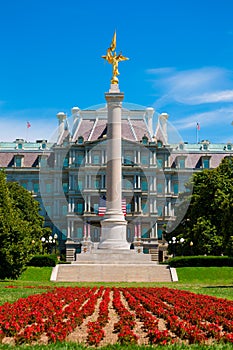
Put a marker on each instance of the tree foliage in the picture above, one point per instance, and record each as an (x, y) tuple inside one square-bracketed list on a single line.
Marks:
[(21, 228), (208, 222)]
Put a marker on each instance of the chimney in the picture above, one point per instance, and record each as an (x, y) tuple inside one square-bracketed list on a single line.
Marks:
[(61, 123), (149, 116), (163, 117)]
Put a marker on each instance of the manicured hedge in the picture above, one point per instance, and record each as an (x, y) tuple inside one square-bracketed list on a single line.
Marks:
[(201, 261), (43, 260)]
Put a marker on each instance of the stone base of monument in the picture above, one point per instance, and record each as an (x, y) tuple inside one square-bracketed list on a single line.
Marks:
[(112, 266)]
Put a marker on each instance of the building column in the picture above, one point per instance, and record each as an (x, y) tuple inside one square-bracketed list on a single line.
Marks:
[(113, 235)]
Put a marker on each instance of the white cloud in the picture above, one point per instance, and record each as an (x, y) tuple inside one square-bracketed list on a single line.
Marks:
[(14, 124), (192, 87), (221, 116)]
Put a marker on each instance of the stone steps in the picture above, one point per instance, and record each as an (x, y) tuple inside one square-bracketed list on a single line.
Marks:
[(112, 257), (111, 273)]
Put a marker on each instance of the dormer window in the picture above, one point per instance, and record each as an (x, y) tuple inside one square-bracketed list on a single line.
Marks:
[(205, 162), (181, 162), (159, 144), (80, 140), (20, 146), (181, 146), (145, 140), (205, 147), (43, 146), (229, 147), (18, 161)]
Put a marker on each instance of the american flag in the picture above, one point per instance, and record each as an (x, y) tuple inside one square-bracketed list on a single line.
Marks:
[(102, 206), (28, 125), (198, 126)]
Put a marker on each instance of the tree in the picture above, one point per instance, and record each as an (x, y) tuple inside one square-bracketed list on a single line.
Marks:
[(20, 229), (208, 223)]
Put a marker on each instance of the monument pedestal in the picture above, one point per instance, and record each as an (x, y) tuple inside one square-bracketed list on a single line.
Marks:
[(113, 233)]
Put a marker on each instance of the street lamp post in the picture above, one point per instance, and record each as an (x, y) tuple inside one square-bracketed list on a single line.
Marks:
[(43, 243), (182, 245), (191, 247), (173, 243)]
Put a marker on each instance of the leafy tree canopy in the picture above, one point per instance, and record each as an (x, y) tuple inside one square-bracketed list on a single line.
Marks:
[(208, 224), (21, 228)]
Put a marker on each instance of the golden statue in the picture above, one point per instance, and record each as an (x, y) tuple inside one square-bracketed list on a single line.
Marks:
[(112, 58)]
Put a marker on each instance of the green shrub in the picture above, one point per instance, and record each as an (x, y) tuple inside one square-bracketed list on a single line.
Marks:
[(201, 261), (43, 260)]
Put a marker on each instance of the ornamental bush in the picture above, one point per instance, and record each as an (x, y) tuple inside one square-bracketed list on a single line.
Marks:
[(201, 261), (43, 260)]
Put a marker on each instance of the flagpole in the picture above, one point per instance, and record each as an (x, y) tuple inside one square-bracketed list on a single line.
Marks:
[(28, 125), (197, 132)]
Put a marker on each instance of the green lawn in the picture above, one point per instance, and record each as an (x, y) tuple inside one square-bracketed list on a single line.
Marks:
[(74, 346), (216, 281)]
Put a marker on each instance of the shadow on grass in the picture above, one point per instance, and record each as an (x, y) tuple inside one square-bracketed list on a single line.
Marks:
[(218, 286)]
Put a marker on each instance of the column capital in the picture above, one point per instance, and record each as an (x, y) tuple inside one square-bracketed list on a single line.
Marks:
[(114, 97)]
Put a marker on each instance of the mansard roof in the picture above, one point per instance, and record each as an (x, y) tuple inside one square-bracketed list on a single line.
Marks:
[(91, 124)]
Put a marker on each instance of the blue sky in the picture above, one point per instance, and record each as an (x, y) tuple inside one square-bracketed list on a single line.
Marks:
[(181, 62)]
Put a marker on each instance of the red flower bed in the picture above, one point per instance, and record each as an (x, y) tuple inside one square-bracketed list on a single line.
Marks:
[(161, 315)]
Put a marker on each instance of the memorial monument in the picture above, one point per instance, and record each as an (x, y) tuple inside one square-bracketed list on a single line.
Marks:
[(113, 226), (112, 260)]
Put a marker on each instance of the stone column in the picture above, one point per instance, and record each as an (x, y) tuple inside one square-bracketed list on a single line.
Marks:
[(113, 225)]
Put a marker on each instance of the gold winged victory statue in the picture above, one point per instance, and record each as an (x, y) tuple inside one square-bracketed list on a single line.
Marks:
[(112, 58)]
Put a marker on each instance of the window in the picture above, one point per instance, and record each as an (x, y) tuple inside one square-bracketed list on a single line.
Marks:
[(80, 185), (96, 158), (145, 140), (43, 146), (96, 208), (176, 188), (64, 233), (181, 146), (64, 209), (128, 159), (42, 161), (18, 162), (144, 185), (65, 187), (159, 144), (145, 159), (159, 162), (48, 187), (145, 233), (79, 158), (205, 146), (128, 184), (80, 140), (48, 210), (160, 210), (79, 233), (66, 162), (128, 207), (159, 187), (20, 146), (229, 147), (181, 163), (35, 187), (145, 208), (79, 207), (205, 163), (96, 183), (160, 233)]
